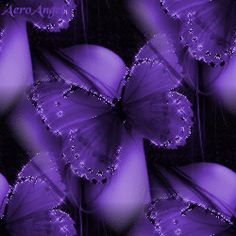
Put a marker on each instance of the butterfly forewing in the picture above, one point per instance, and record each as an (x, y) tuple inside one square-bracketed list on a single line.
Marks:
[(161, 116), (207, 27), (64, 107), (161, 48), (28, 211), (175, 216), (44, 166)]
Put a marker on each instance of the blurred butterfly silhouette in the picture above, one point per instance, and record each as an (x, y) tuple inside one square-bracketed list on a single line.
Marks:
[(93, 127), (207, 27), (176, 216), (30, 207)]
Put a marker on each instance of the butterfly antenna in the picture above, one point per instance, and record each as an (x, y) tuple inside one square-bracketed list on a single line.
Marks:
[(199, 123), (83, 7)]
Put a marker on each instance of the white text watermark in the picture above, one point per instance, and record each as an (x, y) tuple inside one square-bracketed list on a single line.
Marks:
[(41, 11)]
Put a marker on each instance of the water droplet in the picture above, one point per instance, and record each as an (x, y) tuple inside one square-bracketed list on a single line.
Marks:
[(82, 164), (77, 156), (59, 114), (175, 221), (178, 231), (199, 47), (57, 103)]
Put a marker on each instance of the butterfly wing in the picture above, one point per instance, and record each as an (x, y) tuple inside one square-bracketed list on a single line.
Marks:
[(63, 107), (63, 224), (52, 15), (161, 48), (207, 27), (91, 130), (174, 216), (29, 209), (162, 116), (93, 150), (44, 166)]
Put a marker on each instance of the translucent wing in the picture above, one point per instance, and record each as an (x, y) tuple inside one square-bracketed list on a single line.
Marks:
[(85, 65), (62, 223), (29, 209), (161, 48), (44, 166), (174, 216), (162, 116), (90, 127), (64, 107), (207, 27), (52, 15), (93, 150)]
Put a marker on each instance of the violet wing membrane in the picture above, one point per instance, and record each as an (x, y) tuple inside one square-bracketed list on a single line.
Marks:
[(31, 206), (174, 215), (207, 27), (92, 127)]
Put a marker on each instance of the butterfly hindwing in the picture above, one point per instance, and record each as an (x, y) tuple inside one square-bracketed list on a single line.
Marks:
[(160, 47), (44, 166), (207, 27), (29, 209), (93, 150), (63, 224), (175, 216)]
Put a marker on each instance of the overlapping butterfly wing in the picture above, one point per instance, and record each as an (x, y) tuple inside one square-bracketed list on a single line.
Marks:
[(160, 114), (90, 129), (175, 216), (30, 211), (160, 47), (52, 15), (207, 27), (46, 167)]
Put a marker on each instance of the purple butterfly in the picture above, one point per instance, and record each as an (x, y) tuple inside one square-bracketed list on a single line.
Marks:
[(176, 216), (52, 15), (93, 127), (46, 167), (50, 169), (207, 27), (30, 211), (32, 202)]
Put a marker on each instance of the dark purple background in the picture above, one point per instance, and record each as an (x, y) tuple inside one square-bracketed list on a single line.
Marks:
[(107, 23)]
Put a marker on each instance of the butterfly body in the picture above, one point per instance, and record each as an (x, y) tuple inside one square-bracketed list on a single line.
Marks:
[(122, 114)]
